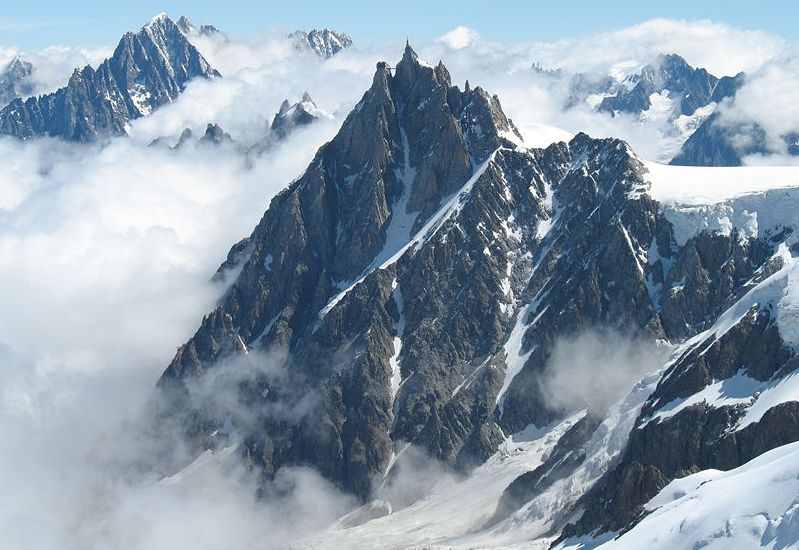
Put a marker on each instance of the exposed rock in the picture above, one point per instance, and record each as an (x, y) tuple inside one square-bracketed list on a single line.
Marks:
[(687, 87), (215, 135), (719, 143), (699, 436), (302, 113)]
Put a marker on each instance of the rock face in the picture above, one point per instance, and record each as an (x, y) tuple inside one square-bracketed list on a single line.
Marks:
[(699, 436), (148, 69), (325, 42), (15, 80), (311, 281), (411, 285)]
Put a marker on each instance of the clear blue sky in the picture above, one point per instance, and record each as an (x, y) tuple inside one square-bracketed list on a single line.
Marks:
[(35, 24)]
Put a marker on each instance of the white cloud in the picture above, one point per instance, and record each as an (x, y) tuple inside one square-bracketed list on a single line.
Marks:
[(596, 368), (459, 37), (768, 98)]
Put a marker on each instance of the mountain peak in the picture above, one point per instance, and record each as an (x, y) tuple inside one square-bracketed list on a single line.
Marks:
[(148, 69), (185, 25), (409, 55), (159, 18), (325, 42), (412, 68)]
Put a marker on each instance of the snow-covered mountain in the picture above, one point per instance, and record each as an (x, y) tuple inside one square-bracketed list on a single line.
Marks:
[(325, 42), (667, 92), (290, 116), (431, 287), (669, 85), (147, 70)]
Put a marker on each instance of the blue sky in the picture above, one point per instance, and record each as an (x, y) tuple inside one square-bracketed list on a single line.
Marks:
[(32, 25)]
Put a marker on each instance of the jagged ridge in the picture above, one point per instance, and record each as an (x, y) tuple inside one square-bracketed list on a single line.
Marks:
[(148, 69)]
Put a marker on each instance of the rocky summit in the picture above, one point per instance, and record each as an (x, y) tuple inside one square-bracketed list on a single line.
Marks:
[(411, 288), (325, 42), (290, 116), (147, 70)]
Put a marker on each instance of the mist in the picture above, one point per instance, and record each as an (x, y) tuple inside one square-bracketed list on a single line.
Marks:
[(596, 368)]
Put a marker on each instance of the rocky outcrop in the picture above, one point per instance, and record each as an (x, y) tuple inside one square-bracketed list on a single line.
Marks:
[(363, 197), (189, 30), (215, 135), (676, 435), (302, 113), (148, 69)]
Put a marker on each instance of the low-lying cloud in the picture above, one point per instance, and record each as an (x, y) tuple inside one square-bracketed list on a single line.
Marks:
[(596, 368)]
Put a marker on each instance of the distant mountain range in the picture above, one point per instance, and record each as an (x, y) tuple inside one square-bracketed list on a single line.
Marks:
[(670, 84), (153, 66), (688, 98), (147, 70), (325, 43)]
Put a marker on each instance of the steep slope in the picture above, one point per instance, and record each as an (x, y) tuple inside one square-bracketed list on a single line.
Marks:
[(309, 279), (411, 288), (148, 69)]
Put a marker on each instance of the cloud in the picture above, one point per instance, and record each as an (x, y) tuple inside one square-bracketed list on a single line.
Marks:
[(767, 99), (106, 255), (596, 368), (459, 37), (53, 65)]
